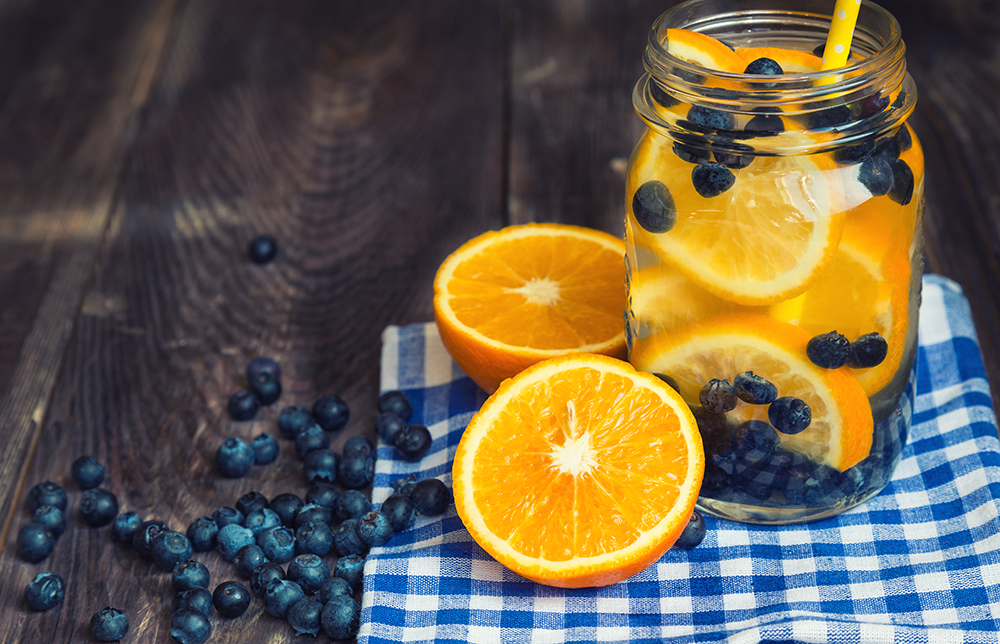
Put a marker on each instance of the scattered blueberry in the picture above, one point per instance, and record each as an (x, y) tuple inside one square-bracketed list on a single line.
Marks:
[(263, 249), (145, 534), (718, 396), (47, 493), (125, 526), (202, 533), (263, 519), (279, 595), (109, 624), (278, 544), (413, 442), (755, 440), (322, 494), (231, 599), (404, 486), (398, 509), (902, 182), (654, 208), (313, 512), (868, 351), (314, 537), (286, 505), (375, 528), (321, 465), (310, 438), (265, 388), (190, 574), (34, 542), (248, 558), (340, 618), (752, 389), (829, 350), (226, 515), (356, 469), (330, 412), (263, 367), (293, 419), (243, 405), (99, 507), (251, 501), (875, 174), (351, 505), (231, 538), (234, 458), (304, 616), (706, 119), (45, 591), (396, 402), (387, 426), (198, 599), (52, 518), (335, 587), (308, 571), (87, 472), (263, 575), (789, 415), (346, 539), (711, 179), (359, 444), (170, 548), (693, 534), (351, 569), (765, 67), (188, 626), (265, 449), (431, 497)]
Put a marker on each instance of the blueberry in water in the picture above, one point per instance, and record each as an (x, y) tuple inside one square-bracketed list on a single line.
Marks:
[(398, 509), (413, 442), (875, 174), (260, 520), (375, 528), (308, 571), (872, 105), (706, 119), (234, 458), (251, 501), (712, 179), (856, 153), (47, 493), (888, 148), (190, 574), (690, 154), (45, 591), (346, 539), (903, 138), (396, 402), (226, 515), (352, 504), (653, 207), (693, 534), (335, 587), (431, 497), (304, 616), (735, 155), (718, 396), (109, 624), (249, 557), (331, 412), (265, 388), (830, 117), (765, 125), (87, 472), (278, 544), (356, 469), (125, 526), (52, 518), (755, 439), (197, 599), (752, 389), (242, 405), (716, 434), (829, 350), (231, 538), (145, 534), (263, 575), (387, 426), (293, 419), (351, 569), (322, 494), (660, 96), (189, 627), (868, 351), (310, 438), (321, 465), (286, 505), (99, 507), (715, 478), (315, 538), (263, 249), (169, 549), (789, 415), (265, 449), (340, 618), (902, 182), (279, 595), (765, 67)]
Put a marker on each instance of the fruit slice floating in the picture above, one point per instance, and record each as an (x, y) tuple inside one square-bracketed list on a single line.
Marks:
[(580, 471), (763, 240), (840, 434), (510, 298), (791, 60), (703, 50)]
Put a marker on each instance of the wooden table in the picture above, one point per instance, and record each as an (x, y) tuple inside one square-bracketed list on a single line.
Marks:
[(143, 143)]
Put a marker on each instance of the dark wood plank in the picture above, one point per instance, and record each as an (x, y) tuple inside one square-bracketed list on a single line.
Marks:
[(367, 139)]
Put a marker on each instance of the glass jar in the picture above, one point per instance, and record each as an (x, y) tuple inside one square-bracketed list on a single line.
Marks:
[(774, 250)]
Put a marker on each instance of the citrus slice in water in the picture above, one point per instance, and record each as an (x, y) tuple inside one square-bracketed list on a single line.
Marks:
[(703, 50), (791, 60), (579, 471)]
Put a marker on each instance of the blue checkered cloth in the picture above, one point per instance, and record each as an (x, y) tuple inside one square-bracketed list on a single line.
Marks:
[(920, 562)]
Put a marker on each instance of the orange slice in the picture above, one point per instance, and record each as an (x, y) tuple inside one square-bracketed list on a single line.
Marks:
[(579, 471), (791, 60), (840, 434), (510, 298), (704, 51)]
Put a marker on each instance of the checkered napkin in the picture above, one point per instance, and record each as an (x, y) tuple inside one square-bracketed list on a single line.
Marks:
[(918, 563)]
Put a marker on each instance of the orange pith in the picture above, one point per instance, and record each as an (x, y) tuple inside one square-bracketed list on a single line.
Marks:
[(579, 471)]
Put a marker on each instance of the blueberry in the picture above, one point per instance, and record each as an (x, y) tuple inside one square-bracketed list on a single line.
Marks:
[(99, 507), (234, 458), (304, 616), (34, 542), (375, 528), (47, 493), (868, 351), (190, 574), (247, 558), (189, 627), (387, 426), (903, 138), (351, 569), (202, 533), (322, 494), (398, 509), (689, 153), (413, 442), (170, 548), (405, 485), (340, 618), (755, 439), (87, 472), (706, 119), (279, 595), (718, 396), (263, 519), (752, 389), (231, 599), (735, 155), (715, 478), (251, 501), (278, 544), (654, 208), (764, 125), (231, 538), (712, 179), (52, 518), (693, 534), (660, 96), (856, 153), (265, 388), (351, 505), (109, 624), (263, 575), (888, 148), (829, 350), (359, 444), (243, 405), (314, 537), (431, 497), (789, 415), (875, 174), (902, 182), (263, 249), (309, 571), (45, 591), (335, 587), (197, 599), (265, 449), (321, 465), (829, 117), (313, 512), (293, 419), (310, 438), (286, 505), (331, 412), (125, 526), (346, 539), (396, 402), (226, 515), (872, 105), (263, 366), (356, 469), (145, 534), (764, 67)]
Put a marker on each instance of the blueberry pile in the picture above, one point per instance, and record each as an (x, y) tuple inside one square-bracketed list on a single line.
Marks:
[(880, 169), (833, 350)]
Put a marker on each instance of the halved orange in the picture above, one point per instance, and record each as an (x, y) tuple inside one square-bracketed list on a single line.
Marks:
[(579, 471), (703, 50), (510, 298), (840, 434)]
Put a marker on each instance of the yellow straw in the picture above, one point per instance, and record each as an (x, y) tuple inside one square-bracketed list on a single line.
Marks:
[(838, 41)]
